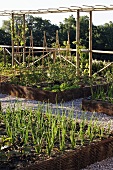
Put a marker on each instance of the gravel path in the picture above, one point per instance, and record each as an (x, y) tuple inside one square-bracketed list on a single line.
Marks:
[(103, 165), (75, 106)]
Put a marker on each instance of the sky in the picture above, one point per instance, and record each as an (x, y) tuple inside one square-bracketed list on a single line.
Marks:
[(99, 18)]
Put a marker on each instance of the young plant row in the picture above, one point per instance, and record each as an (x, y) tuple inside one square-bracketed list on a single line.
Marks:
[(102, 94), (42, 133)]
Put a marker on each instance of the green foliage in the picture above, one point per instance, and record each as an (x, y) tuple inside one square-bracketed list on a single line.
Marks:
[(60, 74), (43, 133), (97, 65), (103, 95), (55, 88)]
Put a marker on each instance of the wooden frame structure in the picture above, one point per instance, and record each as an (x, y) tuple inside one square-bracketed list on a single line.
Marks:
[(77, 9)]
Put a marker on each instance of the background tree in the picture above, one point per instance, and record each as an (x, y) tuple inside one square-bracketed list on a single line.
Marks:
[(5, 38), (84, 33), (38, 26), (68, 25)]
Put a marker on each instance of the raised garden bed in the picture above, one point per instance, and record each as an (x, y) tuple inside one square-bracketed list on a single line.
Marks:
[(43, 95), (97, 106), (69, 160), (78, 158), (90, 143)]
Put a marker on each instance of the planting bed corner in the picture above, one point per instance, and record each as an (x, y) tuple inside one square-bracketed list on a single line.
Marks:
[(77, 159), (98, 106), (42, 95)]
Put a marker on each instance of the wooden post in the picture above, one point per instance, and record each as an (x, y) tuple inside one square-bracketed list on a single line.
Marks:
[(29, 52), (32, 46), (57, 46), (77, 41), (68, 34), (18, 50), (57, 43), (23, 38), (44, 47), (12, 38), (0, 106), (68, 53), (4, 56), (54, 56), (90, 44)]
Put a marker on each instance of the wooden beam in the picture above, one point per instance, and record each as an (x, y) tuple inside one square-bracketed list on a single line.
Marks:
[(24, 38), (4, 51), (102, 52), (77, 41), (48, 49), (54, 56), (103, 68), (32, 45), (8, 51), (44, 47), (90, 43), (68, 61), (12, 37), (39, 59)]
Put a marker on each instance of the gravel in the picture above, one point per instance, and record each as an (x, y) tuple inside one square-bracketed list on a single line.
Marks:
[(103, 165), (67, 107)]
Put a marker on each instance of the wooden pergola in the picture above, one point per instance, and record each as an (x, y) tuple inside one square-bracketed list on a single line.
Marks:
[(77, 9)]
